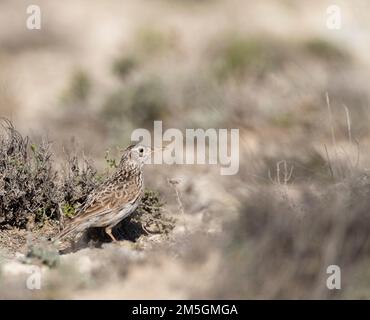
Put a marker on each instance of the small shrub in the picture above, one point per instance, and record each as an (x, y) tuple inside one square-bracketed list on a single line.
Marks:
[(76, 182), (27, 179), (148, 218)]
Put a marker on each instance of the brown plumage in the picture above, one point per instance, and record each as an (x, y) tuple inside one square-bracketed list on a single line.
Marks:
[(115, 199)]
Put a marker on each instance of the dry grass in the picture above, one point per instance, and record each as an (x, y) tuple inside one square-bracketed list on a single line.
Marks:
[(281, 247)]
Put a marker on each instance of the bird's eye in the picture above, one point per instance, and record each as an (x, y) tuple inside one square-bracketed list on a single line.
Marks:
[(141, 150)]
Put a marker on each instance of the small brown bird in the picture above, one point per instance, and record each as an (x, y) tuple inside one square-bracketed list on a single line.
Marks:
[(115, 199)]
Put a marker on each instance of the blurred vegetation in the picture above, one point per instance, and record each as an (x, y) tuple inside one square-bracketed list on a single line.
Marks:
[(236, 55), (123, 66), (148, 44), (217, 91), (326, 50), (302, 166), (153, 42), (280, 247), (79, 88), (148, 103), (138, 104), (42, 254)]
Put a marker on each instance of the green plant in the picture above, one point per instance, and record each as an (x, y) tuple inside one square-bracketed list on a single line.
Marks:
[(68, 210), (151, 203), (111, 162)]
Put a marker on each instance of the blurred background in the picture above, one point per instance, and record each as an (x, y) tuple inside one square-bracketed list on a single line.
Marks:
[(297, 91)]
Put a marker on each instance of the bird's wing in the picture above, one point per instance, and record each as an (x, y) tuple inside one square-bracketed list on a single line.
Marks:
[(106, 201)]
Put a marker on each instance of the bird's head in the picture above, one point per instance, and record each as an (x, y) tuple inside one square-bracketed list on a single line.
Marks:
[(137, 154)]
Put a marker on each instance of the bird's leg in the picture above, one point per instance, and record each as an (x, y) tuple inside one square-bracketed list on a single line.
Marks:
[(108, 231)]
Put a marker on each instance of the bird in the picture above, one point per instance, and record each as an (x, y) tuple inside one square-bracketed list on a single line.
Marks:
[(116, 199)]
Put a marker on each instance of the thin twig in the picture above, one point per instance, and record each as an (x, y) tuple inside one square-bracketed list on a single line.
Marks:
[(174, 183)]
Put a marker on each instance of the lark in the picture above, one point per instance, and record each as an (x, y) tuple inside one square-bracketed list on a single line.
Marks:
[(114, 200)]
